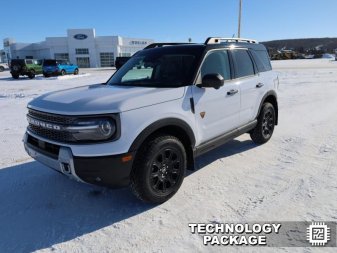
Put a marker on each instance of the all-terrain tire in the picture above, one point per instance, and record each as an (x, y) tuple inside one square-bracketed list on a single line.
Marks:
[(76, 72), (15, 76), (159, 169), (31, 74), (265, 124)]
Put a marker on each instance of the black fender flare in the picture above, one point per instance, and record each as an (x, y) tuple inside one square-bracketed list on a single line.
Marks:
[(273, 94), (168, 122)]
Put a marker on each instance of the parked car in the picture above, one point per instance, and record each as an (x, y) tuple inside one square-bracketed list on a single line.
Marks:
[(53, 67), (120, 61), (145, 126), (3, 67), (25, 67)]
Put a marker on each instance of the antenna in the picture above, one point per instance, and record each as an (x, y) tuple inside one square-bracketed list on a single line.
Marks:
[(239, 25)]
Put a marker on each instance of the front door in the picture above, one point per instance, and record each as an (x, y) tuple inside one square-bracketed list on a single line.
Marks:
[(216, 110)]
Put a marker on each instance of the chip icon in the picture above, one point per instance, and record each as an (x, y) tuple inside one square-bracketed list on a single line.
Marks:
[(318, 234)]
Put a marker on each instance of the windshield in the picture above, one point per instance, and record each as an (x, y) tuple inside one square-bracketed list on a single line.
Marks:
[(160, 67)]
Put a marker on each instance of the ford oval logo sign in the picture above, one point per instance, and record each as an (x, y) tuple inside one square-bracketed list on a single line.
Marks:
[(80, 36)]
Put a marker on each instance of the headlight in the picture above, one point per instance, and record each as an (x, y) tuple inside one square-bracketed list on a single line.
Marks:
[(93, 129)]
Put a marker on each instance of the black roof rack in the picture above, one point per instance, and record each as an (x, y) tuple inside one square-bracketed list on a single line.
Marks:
[(154, 45)]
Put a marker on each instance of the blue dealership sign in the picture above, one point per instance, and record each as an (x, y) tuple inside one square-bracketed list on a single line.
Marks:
[(80, 36)]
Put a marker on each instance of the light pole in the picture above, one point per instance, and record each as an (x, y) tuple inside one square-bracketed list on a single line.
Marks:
[(239, 26)]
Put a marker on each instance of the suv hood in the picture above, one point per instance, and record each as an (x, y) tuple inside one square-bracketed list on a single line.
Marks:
[(101, 99)]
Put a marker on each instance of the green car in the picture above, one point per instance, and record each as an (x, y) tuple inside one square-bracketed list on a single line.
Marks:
[(25, 67)]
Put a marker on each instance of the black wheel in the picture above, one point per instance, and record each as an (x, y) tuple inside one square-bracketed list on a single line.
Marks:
[(159, 169), (45, 75), (31, 74), (15, 76), (2, 69), (63, 72), (265, 125), (76, 72)]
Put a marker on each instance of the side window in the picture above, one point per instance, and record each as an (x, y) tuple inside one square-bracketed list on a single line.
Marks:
[(262, 60), (243, 63), (217, 62)]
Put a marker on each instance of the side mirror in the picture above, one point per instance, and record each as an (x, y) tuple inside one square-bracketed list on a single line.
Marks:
[(212, 81)]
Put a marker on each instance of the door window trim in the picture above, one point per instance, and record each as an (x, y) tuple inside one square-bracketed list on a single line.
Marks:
[(197, 79)]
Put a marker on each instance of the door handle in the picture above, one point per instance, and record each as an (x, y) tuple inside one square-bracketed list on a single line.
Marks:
[(259, 85), (232, 92)]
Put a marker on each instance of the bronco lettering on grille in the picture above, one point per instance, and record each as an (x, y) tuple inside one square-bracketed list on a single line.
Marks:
[(43, 124)]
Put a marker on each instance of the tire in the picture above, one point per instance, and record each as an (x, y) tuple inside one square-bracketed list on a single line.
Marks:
[(63, 72), (46, 75), (76, 72), (16, 68), (31, 74), (15, 76), (159, 169), (2, 69), (265, 124)]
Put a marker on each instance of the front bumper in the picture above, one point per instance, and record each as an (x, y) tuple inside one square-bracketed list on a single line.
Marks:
[(111, 171)]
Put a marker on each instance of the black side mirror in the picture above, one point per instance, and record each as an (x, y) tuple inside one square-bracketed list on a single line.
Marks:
[(212, 81)]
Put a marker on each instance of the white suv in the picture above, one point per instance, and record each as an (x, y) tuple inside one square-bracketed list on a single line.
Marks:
[(167, 105)]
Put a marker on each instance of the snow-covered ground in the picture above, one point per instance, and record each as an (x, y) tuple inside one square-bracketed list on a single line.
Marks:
[(291, 178)]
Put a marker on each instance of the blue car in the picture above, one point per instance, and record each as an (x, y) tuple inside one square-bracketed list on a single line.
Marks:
[(58, 67)]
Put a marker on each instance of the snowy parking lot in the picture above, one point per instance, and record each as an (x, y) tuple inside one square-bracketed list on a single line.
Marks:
[(291, 178)]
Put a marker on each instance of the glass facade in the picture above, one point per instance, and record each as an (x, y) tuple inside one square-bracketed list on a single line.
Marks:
[(82, 50)]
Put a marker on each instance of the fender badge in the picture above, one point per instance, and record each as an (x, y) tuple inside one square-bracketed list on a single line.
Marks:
[(202, 114)]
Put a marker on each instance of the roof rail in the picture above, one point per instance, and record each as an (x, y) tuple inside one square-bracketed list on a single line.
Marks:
[(153, 45), (218, 40)]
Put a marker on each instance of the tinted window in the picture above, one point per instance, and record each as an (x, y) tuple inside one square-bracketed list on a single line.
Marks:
[(49, 63), (243, 63), (29, 62), (262, 60), (217, 63)]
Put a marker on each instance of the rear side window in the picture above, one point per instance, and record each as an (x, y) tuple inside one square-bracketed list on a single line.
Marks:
[(261, 59), (243, 63), (217, 63), (49, 63)]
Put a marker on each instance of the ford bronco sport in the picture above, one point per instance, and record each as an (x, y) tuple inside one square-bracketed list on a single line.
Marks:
[(145, 126), (25, 67)]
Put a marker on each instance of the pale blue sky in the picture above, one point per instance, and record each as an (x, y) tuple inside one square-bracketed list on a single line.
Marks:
[(172, 20)]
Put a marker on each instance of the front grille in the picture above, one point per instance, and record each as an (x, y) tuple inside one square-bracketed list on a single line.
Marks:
[(53, 118), (51, 134)]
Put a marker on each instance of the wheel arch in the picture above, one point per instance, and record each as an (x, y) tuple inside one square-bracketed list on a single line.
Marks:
[(170, 126), (270, 97)]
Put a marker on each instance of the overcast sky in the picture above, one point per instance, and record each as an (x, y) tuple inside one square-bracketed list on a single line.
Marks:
[(171, 20)]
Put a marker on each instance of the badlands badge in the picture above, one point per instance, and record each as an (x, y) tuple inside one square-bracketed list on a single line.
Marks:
[(318, 234)]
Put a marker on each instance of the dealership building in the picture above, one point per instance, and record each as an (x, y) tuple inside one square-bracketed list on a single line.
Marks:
[(80, 46)]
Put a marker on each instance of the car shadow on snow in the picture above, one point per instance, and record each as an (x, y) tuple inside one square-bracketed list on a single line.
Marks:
[(232, 147), (40, 208)]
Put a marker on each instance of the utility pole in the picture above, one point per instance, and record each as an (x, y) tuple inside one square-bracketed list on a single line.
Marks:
[(239, 26)]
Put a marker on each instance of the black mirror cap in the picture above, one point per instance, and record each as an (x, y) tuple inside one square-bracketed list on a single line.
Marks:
[(212, 81)]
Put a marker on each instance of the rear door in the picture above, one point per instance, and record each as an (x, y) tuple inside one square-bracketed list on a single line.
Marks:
[(247, 78), (216, 110)]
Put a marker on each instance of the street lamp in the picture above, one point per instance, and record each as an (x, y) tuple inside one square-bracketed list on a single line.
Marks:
[(239, 26)]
